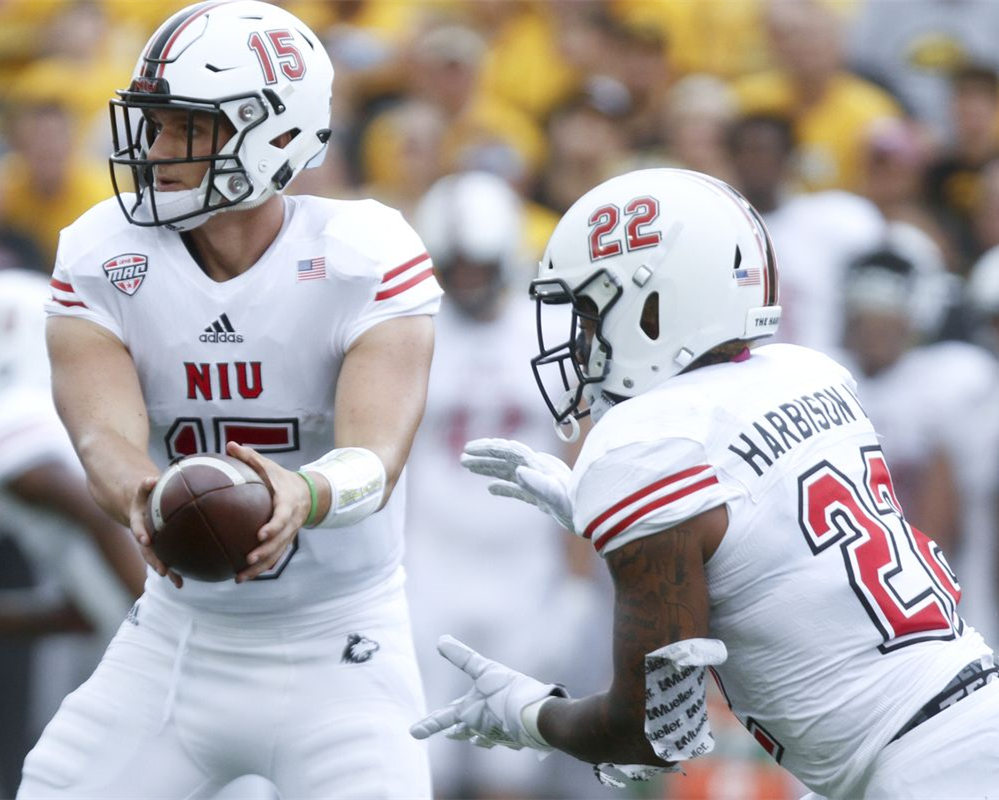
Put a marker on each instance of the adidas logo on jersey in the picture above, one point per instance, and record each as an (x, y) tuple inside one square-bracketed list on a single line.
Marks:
[(220, 330)]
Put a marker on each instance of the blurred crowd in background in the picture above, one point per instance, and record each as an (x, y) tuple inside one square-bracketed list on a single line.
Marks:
[(865, 131)]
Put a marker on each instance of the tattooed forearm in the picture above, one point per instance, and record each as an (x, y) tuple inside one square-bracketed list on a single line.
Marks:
[(660, 597)]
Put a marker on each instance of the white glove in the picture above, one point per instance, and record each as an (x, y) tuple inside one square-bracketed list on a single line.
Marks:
[(618, 776), (536, 478), (490, 712)]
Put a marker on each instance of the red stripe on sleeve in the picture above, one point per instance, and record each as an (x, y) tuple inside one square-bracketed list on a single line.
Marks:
[(403, 267), (650, 507), (62, 287), (631, 498), (69, 304), (385, 294)]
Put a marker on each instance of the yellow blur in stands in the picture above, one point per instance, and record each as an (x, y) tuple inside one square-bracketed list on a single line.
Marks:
[(829, 133), (28, 208), (23, 25), (490, 121), (523, 65), (720, 38), (391, 20), (82, 88)]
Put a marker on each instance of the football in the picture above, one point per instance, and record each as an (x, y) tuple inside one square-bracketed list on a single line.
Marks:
[(204, 514)]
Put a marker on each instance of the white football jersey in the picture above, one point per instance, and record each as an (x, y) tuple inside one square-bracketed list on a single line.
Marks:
[(255, 359), (461, 537), (479, 388), (839, 618), (459, 534)]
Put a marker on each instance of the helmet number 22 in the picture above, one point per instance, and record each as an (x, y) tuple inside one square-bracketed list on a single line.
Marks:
[(639, 212), (288, 56)]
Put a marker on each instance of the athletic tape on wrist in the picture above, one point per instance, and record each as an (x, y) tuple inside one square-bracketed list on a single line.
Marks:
[(357, 484)]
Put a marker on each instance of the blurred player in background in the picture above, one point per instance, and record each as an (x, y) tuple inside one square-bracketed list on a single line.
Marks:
[(475, 546), (816, 233), (983, 299), (939, 434), (227, 317), (747, 515), (83, 570)]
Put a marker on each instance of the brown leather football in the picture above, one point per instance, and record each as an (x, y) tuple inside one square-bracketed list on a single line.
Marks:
[(204, 515)]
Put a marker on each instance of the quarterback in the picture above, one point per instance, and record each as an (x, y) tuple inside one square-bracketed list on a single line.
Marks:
[(744, 507), (200, 310)]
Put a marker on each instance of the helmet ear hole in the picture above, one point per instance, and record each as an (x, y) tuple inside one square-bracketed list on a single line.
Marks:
[(649, 322), (282, 140)]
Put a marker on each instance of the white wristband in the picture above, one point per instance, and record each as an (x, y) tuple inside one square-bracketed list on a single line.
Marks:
[(529, 719), (357, 484)]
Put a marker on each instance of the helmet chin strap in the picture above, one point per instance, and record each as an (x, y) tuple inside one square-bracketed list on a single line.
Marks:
[(568, 429), (568, 436), (184, 201), (171, 204)]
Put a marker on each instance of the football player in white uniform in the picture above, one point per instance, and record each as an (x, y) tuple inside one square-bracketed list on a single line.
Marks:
[(746, 513), (294, 333), (87, 570), (41, 484), (458, 537)]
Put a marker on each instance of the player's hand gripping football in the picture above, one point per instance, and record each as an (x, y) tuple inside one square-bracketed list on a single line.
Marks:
[(291, 508), (490, 712), (137, 522), (536, 478)]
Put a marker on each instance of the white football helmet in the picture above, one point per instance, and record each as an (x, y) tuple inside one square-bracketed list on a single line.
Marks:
[(251, 63), (661, 265), (472, 221)]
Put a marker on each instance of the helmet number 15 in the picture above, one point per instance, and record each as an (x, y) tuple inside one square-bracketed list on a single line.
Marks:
[(639, 212), (288, 56)]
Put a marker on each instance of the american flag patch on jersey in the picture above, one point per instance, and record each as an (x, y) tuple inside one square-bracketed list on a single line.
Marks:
[(312, 269)]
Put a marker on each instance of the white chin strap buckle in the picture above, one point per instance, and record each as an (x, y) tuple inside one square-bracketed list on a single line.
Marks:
[(567, 430)]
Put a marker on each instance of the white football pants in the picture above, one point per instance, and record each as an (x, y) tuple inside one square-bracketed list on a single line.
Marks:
[(185, 701), (954, 755)]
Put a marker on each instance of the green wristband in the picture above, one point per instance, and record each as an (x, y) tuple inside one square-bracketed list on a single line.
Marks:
[(313, 499)]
